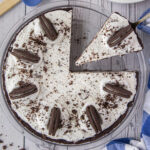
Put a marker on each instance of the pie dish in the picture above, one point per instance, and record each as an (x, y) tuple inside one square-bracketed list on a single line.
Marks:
[(78, 76)]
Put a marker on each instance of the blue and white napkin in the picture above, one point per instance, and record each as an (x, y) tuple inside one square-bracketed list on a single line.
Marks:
[(145, 26), (31, 3)]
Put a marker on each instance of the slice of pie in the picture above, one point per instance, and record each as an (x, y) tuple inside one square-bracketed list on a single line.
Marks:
[(100, 48)]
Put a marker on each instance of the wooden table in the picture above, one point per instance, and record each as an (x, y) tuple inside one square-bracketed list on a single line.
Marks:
[(15, 140)]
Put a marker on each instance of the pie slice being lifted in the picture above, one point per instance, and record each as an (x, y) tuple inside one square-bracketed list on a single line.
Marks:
[(100, 47)]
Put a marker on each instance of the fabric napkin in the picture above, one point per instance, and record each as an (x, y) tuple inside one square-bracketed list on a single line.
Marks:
[(130, 144), (145, 26)]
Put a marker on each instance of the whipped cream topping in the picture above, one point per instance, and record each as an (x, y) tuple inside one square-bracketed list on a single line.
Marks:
[(99, 49), (57, 86)]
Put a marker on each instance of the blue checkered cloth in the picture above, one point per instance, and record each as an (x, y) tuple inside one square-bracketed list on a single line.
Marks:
[(130, 144), (143, 26)]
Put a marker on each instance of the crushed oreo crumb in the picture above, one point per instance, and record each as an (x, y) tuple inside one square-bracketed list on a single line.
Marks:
[(1, 141), (74, 111), (4, 147)]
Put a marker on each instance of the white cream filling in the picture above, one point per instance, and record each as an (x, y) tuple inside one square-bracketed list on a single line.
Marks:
[(58, 87)]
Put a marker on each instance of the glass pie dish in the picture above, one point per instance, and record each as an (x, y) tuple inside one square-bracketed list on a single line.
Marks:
[(87, 24)]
